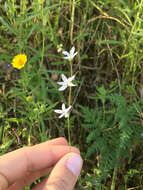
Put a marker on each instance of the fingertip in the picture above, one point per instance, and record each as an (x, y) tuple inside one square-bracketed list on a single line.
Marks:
[(74, 150), (57, 141), (65, 173), (62, 140), (74, 163)]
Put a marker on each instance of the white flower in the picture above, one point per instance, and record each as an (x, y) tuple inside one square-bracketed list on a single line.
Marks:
[(64, 112), (66, 82), (70, 55)]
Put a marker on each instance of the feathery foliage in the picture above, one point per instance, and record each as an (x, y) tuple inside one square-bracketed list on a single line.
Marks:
[(113, 127)]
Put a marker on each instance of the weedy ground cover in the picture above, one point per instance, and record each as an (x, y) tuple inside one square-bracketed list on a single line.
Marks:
[(106, 118)]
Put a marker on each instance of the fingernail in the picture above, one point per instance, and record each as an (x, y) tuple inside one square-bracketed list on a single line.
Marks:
[(74, 164)]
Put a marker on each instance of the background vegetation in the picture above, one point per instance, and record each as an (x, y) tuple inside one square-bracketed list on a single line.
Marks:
[(106, 120)]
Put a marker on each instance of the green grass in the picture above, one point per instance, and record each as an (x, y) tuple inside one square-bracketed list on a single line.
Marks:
[(108, 36)]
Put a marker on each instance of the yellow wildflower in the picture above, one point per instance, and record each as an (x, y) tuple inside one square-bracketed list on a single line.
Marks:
[(28, 98), (19, 61)]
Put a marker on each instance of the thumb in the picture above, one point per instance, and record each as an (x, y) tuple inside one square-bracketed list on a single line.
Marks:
[(65, 173)]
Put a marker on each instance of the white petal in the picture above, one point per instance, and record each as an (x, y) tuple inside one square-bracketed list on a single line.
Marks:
[(67, 110), (71, 78), (74, 54), (58, 111), (64, 77), (66, 53), (61, 115), (63, 107), (61, 83), (67, 57), (71, 84), (72, 50), (62, 88)]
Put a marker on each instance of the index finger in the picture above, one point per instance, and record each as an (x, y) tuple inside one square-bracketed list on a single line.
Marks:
[(15, 164)]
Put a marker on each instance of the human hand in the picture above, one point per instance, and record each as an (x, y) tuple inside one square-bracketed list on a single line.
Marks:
[(20, 168)]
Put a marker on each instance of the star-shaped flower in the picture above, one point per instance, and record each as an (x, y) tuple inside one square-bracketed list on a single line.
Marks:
[(66, 82), (70, 55), (64, 112)]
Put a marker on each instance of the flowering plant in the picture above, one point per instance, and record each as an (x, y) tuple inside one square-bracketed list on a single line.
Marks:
[(67, 82)]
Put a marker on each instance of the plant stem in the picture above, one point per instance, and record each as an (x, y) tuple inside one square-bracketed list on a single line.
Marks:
[(43, 36), (70, 90), (69, 136), (72, 21), (114, 178), (69, 103)]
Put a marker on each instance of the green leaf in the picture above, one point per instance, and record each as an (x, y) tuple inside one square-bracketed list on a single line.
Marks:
[(7, 25), (110, 42), (4, 147)]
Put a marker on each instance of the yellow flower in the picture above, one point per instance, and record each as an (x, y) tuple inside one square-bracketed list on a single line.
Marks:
[(28, 98), (19, 61)]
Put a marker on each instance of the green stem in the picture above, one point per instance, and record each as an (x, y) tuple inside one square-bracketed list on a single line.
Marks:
[(43, 36), (103, 114), (69, 136), (72, 21), (43, 50), (114, 178), (69, 103)]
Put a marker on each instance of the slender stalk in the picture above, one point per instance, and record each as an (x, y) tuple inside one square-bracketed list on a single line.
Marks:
[(70, 4), (114, 178), (72, 21), (69, 136), (69, 103), (70, 90), (103, 113), (43, 50), (43, 36)]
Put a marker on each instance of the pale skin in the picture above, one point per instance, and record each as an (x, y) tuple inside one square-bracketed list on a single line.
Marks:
[(22, 167)]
